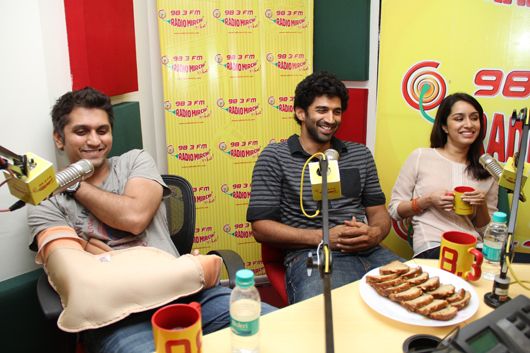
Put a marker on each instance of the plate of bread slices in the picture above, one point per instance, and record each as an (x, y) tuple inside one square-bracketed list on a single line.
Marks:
[(418, 295)]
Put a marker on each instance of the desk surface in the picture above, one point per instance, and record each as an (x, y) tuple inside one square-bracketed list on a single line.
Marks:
[(357, 328)]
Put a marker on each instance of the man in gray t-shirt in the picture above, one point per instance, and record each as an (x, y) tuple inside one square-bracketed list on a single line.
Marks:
[(119, 206), (63, 209)]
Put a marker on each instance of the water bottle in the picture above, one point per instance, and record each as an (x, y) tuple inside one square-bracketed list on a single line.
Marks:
[(245, 309), (494, 237)]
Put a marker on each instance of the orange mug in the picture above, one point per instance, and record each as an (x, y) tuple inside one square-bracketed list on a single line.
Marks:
[(459, 256), (177, 328), (462, 207)]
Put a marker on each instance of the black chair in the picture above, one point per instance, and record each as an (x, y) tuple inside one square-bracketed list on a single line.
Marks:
[(180, 211)]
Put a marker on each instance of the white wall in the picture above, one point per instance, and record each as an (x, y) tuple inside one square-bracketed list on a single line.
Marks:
[(35, 71)]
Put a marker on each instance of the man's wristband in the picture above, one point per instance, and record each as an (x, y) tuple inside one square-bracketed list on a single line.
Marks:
[(71, 190)]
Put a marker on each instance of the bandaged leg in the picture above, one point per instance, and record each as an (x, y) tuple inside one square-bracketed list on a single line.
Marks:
[(97, 290)]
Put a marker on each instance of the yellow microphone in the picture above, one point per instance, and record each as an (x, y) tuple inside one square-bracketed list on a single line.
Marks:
[(38, 180), (504, 175), (334, 190)]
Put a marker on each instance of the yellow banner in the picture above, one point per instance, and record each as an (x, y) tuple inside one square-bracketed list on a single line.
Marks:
[(430, 49), (229, 72)]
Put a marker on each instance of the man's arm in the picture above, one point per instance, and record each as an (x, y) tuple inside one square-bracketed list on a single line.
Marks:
[(273, 232), (131, 211)]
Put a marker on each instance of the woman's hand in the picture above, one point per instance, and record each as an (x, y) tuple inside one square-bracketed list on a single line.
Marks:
[(474, 198), (442, 200)]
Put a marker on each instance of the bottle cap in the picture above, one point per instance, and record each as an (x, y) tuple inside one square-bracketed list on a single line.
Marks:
[(244, 278), (499, 217)]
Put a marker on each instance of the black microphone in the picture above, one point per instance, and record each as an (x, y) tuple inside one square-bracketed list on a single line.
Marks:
[(505, 176)]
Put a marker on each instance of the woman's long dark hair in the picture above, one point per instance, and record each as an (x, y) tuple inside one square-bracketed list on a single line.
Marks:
[(439, 136)]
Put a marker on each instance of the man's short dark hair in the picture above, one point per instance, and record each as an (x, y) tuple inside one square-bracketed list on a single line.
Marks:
[(87, 97), (316, 85)]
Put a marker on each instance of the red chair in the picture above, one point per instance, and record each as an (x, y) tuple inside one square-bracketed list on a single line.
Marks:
[(272, 258)]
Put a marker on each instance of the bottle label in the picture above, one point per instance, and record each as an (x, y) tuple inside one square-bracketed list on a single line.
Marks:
[(491, 254), (244, 328)]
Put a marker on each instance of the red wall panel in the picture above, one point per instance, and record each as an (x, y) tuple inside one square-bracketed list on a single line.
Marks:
[(353, 125), (101, 45)]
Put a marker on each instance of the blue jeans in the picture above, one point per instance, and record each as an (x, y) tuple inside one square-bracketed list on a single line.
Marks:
[(134, 334), (433, 253), (346, 268)]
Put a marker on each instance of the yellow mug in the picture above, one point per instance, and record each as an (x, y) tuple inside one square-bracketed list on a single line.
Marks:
[(459, 256), (177, 328), (462, 207)]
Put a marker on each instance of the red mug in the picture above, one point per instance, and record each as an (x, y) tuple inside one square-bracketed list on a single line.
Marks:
[(459, 256), (177, 328)]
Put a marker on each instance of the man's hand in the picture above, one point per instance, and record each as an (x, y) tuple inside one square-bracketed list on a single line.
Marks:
[(354, 236), (211, 266)]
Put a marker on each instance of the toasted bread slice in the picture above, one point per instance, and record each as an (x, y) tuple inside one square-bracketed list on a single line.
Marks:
[(418, 302), (409, 294), (442, 292), (433, 306), (462, 303), (394, 267), (430, 284), (381, 278), (459, 295), (418, 279), (413, 272), (399, 288), (387, 284), (445, 314)]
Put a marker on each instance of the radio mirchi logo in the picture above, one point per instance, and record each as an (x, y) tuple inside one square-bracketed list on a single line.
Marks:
[(423, 88), (192, 155), (402, 228), (237, 191), (240, 231), (187, 109), (185, 66), (203, 196), (283, 104), (287, 18), (204, 236), (236, 18), (241, 151), (183, 18), (247, 107), (293, 62), (237, 63)]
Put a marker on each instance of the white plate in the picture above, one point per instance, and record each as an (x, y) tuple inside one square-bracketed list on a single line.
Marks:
[(394, 311)]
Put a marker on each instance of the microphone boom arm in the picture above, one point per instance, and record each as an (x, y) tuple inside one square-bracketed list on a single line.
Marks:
[(499, 294)]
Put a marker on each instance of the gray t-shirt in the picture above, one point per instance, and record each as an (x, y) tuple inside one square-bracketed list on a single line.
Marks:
[(62, 210)]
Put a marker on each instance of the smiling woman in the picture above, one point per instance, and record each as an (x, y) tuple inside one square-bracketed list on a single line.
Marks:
[(424, 188)]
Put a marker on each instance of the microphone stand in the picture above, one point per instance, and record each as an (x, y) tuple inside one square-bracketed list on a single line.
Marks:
[(324, 257), (499, 293)]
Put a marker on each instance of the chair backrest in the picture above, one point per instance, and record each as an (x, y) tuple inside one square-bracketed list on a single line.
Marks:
[(180, 209), (272, 258)]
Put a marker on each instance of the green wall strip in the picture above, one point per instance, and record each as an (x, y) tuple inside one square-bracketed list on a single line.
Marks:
[(341, 38)]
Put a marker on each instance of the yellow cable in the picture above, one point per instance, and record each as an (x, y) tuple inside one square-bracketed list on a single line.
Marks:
[(509, 264), (326, 259), (302, 185)]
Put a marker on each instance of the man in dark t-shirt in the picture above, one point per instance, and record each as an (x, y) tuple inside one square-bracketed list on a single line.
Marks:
[(358, 220)]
